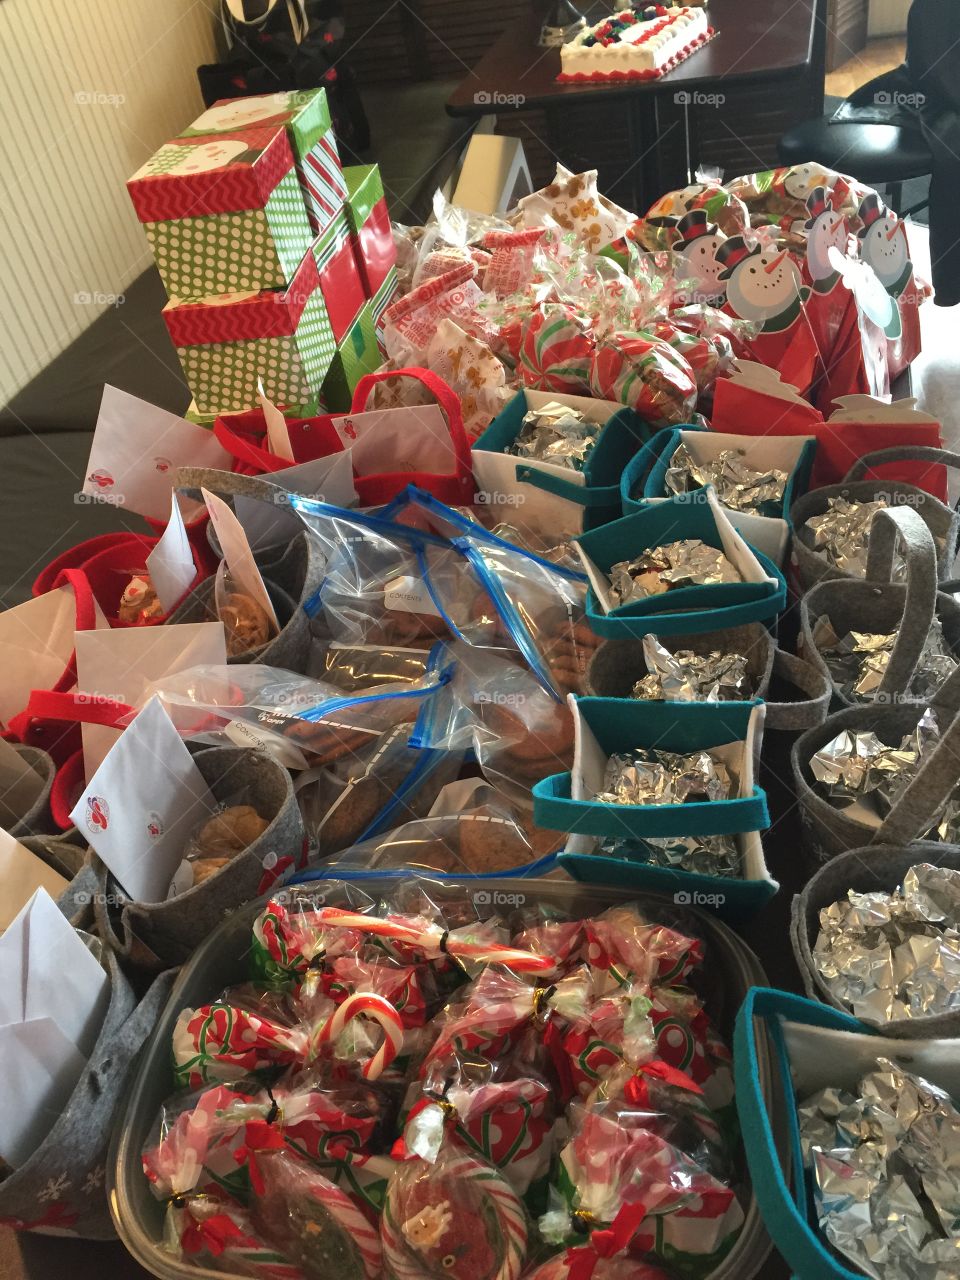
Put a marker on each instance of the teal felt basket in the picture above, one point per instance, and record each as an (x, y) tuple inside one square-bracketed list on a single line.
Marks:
[(816, 1047), (736, 901), (684, 609), (605, 726), (645, 475), (506, 480)]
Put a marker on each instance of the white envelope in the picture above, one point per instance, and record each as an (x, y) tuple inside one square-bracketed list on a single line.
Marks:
[(170, 563), (49, 972), (20, 784), (22, 873), (123, 663), (143, 803), (36, 641), (137, 450), (326, 479), (41, 1067), (411, 438), (237, 555)]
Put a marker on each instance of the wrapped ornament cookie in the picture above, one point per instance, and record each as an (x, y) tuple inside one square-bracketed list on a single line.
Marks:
[(139, 603), (456, 1218), (644, 372), (557, 349), (586, 1262), (219, 1235)]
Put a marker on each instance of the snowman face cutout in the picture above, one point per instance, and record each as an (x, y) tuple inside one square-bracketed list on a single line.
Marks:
[(884, 247), (828, 232), (764, 285), (226, 117), (207, 156), (804, 178), (699, 263)]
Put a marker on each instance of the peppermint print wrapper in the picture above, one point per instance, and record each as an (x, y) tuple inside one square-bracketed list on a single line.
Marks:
[(456, 1218), (627, 949), (690, 1219), (219, 1235), (410, 988), (289, 940), (196, 1140), (646, 373), (557, 349), (220, 1042)]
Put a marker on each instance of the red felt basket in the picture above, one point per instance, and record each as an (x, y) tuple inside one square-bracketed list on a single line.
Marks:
[(243, 436)]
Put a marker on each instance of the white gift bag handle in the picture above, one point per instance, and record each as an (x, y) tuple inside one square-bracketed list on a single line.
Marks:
[(232, 10)]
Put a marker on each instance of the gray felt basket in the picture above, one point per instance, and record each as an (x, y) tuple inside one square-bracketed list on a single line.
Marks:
[(154, 935), (879, 606), (37, 820), (942, 521), (877, 867), (616, 666), (61, 1189), (828, 830)]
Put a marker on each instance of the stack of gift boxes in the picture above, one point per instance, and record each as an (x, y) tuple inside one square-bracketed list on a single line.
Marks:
[(278, 263)]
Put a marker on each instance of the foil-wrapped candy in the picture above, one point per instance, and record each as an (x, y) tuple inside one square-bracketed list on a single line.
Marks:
[(648, 776), (686, 676), (701, 855), (858, 661), (886, 1173), (858, 768), (842, 535), (686, 563), (557, 434), (739, 487), (891, 956)]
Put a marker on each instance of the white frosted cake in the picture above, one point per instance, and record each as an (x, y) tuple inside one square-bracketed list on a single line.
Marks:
[(635, 44)]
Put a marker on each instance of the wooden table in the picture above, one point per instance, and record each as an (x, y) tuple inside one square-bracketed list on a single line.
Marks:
[(727, 103)]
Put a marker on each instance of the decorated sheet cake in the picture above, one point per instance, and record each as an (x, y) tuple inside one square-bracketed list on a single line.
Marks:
[(637, 44)]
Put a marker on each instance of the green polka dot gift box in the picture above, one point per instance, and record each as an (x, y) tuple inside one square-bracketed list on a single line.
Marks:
[(223, 214), (305, 116), (355, 356), (229, 341)]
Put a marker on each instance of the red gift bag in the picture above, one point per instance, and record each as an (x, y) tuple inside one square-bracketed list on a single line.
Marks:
[(107, 563), (243, 435)]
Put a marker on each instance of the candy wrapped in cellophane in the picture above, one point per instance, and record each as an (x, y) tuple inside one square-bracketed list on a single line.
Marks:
[(686, 563), (894, 956), (884, 1163)]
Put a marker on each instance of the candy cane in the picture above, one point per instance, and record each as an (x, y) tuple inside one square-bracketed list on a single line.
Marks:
[(365, 1236), (436, 940), (382, 1011), (401, 1261)]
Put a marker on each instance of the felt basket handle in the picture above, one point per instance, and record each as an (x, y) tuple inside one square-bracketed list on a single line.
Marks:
[(78, 708), (582, 494), (902, 453), (808, 712), (913, 810), (445, 396), (247, 453), (229, 484), (920, 602)]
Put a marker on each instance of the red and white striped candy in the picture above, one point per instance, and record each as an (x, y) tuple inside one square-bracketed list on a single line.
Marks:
[(366, 1003), (430, 939), (362, 1232)]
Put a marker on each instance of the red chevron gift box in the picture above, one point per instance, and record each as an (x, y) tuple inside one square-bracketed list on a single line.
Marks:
[(340, 281), (370, 225), (223, 213), (305, 116), (227, 342)]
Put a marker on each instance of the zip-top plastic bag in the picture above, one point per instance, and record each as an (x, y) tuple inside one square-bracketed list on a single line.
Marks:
[(302, 723), (419, 569)]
